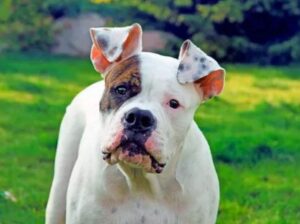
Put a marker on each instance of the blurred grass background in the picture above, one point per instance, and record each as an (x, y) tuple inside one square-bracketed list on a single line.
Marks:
[(253, 127)]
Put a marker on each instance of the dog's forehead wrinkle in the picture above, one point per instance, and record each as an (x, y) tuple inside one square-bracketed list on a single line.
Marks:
[(159, 66), (159, 71)]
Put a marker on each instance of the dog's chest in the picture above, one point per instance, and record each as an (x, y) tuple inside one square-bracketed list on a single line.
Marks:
[(135, 211)]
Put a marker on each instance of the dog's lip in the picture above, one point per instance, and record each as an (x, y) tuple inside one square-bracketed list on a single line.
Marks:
[(155, 164), (158, 167)]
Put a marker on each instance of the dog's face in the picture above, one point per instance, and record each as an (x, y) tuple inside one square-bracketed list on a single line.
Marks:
[(149, 100), (146, 111)]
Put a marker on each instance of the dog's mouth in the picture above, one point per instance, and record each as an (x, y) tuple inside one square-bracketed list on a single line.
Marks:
[(135, 154)]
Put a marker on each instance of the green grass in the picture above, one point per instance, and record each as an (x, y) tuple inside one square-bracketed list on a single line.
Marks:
[(253, 130)]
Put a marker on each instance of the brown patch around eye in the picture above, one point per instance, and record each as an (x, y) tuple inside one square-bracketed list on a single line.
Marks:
[(125, 74)]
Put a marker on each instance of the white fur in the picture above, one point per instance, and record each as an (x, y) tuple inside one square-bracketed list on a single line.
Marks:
[(87, 190), (195, 63)]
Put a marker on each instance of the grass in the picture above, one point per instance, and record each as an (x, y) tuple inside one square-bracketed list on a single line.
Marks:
[(253, 130)]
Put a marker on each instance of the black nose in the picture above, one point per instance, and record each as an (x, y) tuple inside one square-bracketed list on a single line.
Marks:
[(139, 120)]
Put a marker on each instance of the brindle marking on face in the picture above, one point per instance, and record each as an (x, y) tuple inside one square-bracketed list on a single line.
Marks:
[(126, 74)]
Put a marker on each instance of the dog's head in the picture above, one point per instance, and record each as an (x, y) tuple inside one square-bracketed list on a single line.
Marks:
[(149, 100)]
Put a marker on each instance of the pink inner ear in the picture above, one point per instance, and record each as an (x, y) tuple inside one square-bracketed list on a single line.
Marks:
[(132, 43), (184, 49), (112, 45), (99, 61), (210, 85)]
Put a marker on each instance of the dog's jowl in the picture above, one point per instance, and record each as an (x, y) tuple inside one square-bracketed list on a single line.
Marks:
[(129, 150)]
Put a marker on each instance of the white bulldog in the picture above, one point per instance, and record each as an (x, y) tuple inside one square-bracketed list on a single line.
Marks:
[(129, 150)]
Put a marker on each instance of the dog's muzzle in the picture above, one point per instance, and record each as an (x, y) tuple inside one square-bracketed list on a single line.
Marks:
[(138, 126)]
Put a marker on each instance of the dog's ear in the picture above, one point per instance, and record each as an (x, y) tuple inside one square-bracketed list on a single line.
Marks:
[(111, 45), (197, 67)]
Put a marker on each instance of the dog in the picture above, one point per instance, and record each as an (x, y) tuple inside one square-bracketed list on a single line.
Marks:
[(129, 151)]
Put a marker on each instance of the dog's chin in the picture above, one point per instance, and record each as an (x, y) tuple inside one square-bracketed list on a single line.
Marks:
[(134, 155)]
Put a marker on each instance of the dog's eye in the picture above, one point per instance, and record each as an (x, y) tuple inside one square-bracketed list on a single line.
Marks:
[(121, 90), (174, 103)]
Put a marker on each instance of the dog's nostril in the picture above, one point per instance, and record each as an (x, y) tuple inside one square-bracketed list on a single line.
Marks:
[(146, 121), (130, 118), (139, 120)]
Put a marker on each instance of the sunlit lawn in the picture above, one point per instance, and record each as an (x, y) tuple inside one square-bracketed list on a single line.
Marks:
[(253, 130)]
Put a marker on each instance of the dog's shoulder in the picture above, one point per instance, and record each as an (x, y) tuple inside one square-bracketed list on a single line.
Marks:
[(88, 98), (85, 104)]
